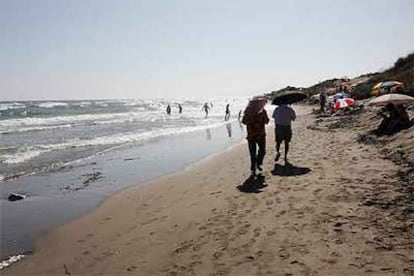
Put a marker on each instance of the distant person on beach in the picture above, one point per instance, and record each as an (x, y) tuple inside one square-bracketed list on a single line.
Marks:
[(397, 119), (227, 116), (283, 115), (206, 108), (345, 90), (180, 109), (255, 118), (240, 114), (168, 109), (322, 100)]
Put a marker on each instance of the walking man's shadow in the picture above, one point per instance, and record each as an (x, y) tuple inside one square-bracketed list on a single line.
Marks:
[(289, 170), (253, 184)]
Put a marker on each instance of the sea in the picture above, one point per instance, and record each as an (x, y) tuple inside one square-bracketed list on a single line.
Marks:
[(66, 157)]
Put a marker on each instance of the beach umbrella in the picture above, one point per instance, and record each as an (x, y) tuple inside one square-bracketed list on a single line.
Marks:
[(375, 89), (392, 98), (255, 105), (382, 87), (340, 95), (289, 97), (342, 103)]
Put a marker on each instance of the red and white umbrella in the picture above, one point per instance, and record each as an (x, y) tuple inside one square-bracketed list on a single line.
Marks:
[(342, 103)]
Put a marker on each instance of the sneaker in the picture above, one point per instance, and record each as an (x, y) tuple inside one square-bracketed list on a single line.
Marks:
[(259, 168), (277, 157)]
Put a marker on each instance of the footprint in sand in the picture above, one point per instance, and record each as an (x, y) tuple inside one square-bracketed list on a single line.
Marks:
[(315, 192), (284, 254), (131, 268), (217, 254), (256, 232), (271, 233)]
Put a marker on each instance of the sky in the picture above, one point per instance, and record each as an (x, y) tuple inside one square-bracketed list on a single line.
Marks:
[(87, 49)]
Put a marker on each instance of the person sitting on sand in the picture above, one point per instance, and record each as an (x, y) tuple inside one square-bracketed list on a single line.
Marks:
[(255, 118), (397, 120), (283, 115)]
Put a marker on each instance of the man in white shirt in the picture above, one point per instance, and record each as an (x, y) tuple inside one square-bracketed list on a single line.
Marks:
[(283, 115)]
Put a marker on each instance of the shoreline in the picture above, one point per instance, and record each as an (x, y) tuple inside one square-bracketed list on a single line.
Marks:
[(154, 183), (304, 219), (138, 185), (59, 197)]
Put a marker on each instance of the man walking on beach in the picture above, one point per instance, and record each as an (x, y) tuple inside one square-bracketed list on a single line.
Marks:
[(283, 115), (255, 118)]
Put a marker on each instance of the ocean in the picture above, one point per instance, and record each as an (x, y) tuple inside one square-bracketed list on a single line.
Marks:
[(68, 156), (46, 135)]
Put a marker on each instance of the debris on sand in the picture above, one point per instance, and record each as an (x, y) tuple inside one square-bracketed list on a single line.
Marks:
[(86, 180), (16, 197), (91, 177)]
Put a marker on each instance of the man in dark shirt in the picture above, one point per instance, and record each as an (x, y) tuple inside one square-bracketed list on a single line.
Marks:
[(255, 118)]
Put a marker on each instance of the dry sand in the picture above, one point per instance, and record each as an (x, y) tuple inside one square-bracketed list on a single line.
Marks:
[(319, 217)]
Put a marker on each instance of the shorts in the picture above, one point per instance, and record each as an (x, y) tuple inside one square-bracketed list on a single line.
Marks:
[(283, 133)]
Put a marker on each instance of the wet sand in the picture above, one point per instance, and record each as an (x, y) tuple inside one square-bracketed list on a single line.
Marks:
[(57, 197), (311, 218)]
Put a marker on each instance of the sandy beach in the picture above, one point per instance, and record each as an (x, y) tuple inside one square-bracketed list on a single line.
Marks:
[(333, 212)]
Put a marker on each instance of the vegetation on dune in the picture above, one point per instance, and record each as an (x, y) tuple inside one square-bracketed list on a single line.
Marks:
[(280, 91), (315, 89), (402, 70)]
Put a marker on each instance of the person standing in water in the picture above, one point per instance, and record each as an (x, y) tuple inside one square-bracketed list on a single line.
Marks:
[(283, 115), (168, 109), (206, 108), (255, 118), (227, 116), (180, 109)]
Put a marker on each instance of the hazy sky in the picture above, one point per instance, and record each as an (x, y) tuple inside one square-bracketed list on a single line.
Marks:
[(69, 49)]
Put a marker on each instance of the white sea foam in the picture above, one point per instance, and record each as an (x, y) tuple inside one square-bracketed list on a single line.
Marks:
[(51, 104), (62, 119), (28, 129), (85, 103), (7, 106), (11, 260), (20, 156), (28, 152)]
